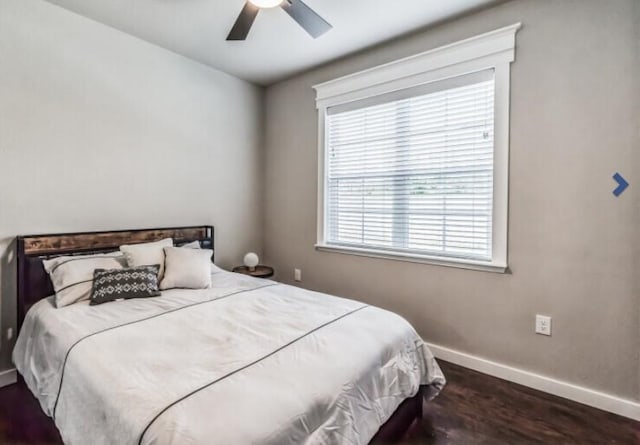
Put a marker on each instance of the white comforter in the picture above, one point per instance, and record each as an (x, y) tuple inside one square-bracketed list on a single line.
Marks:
[(248, 361)]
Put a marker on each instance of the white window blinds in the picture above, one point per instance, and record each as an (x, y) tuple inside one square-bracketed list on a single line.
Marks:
[(412, 171)]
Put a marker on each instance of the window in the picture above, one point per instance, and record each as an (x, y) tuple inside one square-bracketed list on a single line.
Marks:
[(414, 174), (416, 169)]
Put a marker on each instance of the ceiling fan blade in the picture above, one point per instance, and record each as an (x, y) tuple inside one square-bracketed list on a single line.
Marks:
[(243, 24), (306, 17)]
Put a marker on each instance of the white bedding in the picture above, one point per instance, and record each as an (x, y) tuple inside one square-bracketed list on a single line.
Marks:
[(248, 361)]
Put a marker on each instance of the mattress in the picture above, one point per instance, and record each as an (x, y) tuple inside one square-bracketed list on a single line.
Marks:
[(247, 361)]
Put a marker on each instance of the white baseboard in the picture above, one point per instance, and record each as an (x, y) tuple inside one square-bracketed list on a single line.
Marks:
[(586, 396), (8, 377)]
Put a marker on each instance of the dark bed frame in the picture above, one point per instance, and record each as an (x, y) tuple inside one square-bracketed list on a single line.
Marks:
[(33, 281), (34, 284)]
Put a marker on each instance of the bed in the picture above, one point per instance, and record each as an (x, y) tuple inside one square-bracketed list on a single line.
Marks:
[(246, 361)]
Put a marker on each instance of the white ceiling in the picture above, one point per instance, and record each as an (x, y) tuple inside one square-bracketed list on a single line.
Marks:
[(276, 47)]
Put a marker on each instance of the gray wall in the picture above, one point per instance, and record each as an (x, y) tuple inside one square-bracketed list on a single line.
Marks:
[(573, 247), (100, 130)]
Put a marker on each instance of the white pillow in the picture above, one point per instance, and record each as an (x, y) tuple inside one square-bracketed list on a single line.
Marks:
[(147, 254), (72, 276), (196, 245), (186, 268), (192, 245)]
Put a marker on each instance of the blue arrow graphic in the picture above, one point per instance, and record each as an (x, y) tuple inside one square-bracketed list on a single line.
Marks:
[(622, 184)]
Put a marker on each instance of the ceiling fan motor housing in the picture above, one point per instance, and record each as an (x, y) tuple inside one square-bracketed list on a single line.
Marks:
[(311, 22)]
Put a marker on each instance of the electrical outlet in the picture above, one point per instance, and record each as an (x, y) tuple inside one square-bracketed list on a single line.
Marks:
[(543, 325), (9, 333), (297, 274)]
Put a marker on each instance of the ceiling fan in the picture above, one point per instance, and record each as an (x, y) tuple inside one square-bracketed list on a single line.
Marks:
[(300, 12)]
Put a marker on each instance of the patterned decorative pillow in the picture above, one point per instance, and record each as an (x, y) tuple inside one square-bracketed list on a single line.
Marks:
[(117, 284)]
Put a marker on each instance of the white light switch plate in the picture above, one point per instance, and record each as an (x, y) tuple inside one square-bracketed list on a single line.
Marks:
[(297, 274), (543, 325)]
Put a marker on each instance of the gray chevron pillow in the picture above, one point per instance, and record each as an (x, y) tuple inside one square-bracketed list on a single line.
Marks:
[(132, 282)]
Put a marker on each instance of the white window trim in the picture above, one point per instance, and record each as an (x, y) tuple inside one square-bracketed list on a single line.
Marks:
[(496, 50)]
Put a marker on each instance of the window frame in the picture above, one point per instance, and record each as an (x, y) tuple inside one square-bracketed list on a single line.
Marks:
[(493, 50)]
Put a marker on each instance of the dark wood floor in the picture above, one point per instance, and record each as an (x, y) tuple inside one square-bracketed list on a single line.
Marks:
[(472, 409), (477, 409)]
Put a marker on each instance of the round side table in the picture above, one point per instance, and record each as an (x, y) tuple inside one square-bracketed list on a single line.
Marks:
[(260, 271)]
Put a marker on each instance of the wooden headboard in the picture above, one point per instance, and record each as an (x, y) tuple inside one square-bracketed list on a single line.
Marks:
[(34, 283)]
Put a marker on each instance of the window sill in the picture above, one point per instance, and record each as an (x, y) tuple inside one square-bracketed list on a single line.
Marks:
[(412, 258)]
